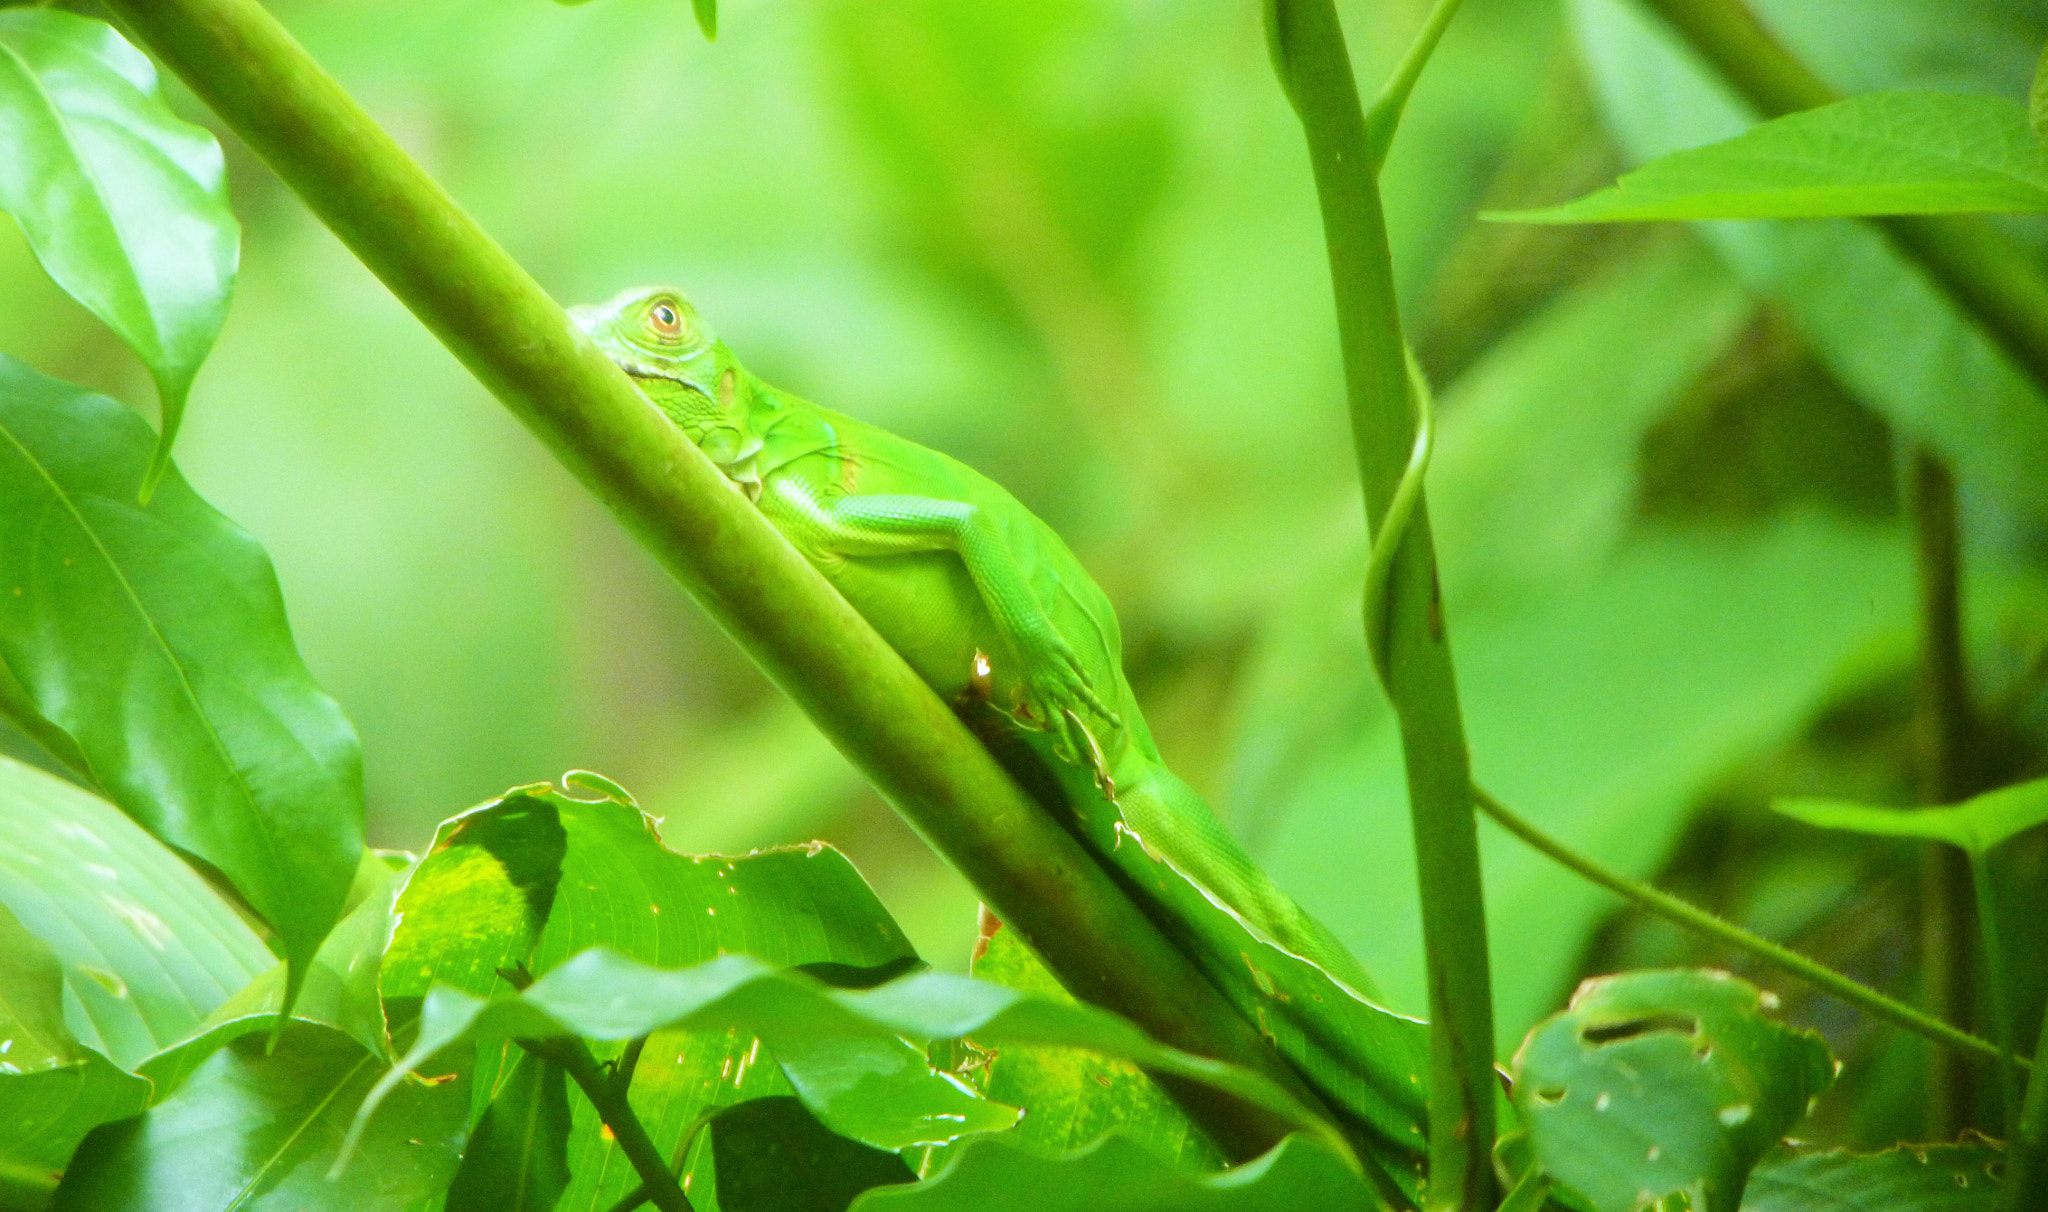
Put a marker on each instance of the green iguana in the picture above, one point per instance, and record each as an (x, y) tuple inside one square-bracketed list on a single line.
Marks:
[(986, 603)]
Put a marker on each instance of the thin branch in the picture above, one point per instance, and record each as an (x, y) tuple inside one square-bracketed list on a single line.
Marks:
[(1701, 922), (1384, 118), (657, 1185)]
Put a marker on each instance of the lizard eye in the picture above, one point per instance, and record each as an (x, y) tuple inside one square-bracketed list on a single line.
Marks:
[(665, 320)]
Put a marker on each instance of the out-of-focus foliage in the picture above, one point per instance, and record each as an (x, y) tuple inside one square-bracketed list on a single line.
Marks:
[(1074, 242), (1877, 154)]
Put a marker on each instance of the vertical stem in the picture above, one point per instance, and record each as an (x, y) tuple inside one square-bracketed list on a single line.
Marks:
[(1995, 976), (2026, 1166), (1948, 775), (1315, 71)]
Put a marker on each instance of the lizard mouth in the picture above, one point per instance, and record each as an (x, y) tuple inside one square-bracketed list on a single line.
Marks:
[(640, 370)]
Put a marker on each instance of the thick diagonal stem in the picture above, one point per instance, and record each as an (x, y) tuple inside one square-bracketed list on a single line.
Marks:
[(1990, 277), (1315, 71), (518, 342)]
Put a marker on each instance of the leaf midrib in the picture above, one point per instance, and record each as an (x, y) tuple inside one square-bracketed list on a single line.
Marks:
[(236, 777)]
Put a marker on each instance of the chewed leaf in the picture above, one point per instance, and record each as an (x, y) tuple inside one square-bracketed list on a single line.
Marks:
[(1976, 825), (1659, 1082), (125, 205), (1876, 154)]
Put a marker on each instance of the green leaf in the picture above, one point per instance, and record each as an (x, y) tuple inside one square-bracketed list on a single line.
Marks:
[(1115, 1175), (1976, 825), (517, 1159), (772, 1155), (1073, 1097), (340, 987), (148, 949), (1893, 339), (155, 636), (258, 1131), (125, 205), (707, 17), (539, 875), (1657, 1082), (52, 1091), (1910, 1178), (836, 1046), (1874, 154)]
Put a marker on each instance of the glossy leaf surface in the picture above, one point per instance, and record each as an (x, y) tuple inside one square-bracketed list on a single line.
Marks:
[(1875, 154), (52, 1091), (535, 874), (148, 949), (125, 205), (155, 636), (251, 1130), (1658, 1082), (340, 988)]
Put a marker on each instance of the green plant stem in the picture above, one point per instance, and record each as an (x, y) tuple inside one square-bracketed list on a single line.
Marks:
[(1384, 118), (1699, 921), (657, 1184), (2026, 1159), (1989, 276), (1949, 774), (518, 342), (1996, 976), (1315, 72)]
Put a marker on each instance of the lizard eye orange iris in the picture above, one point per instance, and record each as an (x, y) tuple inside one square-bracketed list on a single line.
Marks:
[(665, 320)]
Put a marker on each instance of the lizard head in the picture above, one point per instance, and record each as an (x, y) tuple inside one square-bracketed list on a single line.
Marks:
[(655, 336)]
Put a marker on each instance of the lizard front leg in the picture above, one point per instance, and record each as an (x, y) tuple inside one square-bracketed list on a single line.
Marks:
[(1056, 683)]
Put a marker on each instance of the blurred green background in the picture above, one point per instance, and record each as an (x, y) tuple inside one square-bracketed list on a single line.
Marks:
[(1074, 242)]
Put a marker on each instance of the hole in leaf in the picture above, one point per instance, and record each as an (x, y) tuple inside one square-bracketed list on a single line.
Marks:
[(1599, 1034), (1548, 1096)]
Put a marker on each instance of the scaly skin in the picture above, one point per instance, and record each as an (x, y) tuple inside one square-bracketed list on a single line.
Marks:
[(978, 594)]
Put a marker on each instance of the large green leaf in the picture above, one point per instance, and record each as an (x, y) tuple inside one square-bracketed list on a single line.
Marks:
[(52, 1091), (125, 205), (1875, 154), (535, 875), (156, 638), (1657, 1082), (1976, 825), (148, 949), (1116, 1175), (257, 1131), (340, 989), (838, 1047), (1896, 341), (1911, 1178)]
